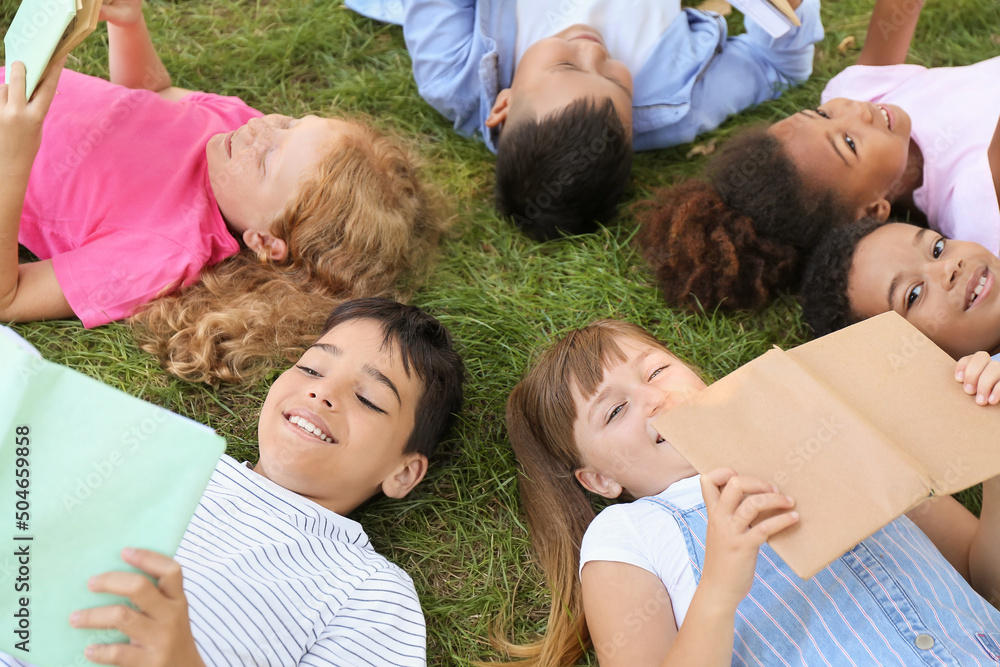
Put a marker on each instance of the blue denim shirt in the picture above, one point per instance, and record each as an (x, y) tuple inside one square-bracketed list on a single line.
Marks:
[(891, 600), (696, 76)]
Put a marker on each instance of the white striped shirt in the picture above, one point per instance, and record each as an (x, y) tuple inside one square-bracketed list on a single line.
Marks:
[(274, 579)]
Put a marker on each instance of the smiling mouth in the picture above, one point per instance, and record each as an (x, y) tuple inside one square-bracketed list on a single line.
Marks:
[(977, 285), (885, 116), (310, 428)]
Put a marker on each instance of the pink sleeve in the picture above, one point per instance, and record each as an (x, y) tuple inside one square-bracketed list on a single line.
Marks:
[(110, 277)]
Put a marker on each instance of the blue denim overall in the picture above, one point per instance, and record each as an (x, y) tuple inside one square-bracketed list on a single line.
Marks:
[(891, 600)]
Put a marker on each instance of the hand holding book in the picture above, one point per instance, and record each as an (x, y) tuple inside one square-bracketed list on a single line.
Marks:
[(21, 121), (43, 32), (858, 427)]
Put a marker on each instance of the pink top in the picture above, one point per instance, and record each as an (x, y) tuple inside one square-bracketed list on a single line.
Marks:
[(954, 112), (119, 196)]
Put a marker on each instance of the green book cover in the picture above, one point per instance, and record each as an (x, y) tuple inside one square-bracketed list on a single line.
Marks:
[(85, 471), (33, 36)]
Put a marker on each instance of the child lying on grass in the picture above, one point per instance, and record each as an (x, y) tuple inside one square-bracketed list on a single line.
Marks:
[(947, 289), (562, 91), (139, 187), (271, 571), (909, 137), (682, 575)]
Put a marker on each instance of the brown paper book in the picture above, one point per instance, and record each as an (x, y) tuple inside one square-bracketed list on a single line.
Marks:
[(858, 427)]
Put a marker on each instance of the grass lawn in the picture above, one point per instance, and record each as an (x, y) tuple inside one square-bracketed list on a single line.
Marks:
[(461, 534)]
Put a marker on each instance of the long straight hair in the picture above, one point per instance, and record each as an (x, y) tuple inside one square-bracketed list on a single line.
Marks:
[(540, 417)]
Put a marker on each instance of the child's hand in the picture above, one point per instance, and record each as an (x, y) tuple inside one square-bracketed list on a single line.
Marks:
[(121, 13), (21, 120), (981, 376), (158, 628), (732, 543)]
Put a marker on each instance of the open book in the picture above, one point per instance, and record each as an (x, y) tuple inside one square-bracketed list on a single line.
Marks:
[(44, 31), (775, 16), (858, 427), (85, 471)]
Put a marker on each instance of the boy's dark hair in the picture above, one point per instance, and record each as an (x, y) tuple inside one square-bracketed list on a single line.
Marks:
[(565, 172), (738, 239), (426, 345), (825, 305)]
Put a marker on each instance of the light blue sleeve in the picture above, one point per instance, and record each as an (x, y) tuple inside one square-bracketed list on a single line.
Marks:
[(387, 11), (749, 69), (440, 36)]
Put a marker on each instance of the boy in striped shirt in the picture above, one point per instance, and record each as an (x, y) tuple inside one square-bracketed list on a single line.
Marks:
[(270, 570)]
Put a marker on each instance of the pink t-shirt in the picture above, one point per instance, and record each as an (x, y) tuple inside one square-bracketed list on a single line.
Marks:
[(954, 112), (119, 196)]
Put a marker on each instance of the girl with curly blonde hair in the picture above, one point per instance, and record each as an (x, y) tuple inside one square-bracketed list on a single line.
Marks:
[(223, 233)]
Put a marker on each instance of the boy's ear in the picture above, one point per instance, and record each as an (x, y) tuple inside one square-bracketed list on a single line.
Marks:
[(259, 242), (409, 473), (500, 110), (598, 483), (878, 209)]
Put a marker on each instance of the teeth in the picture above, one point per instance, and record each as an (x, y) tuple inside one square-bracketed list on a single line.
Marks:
[(885, 114), (309, 427), (978, 290)]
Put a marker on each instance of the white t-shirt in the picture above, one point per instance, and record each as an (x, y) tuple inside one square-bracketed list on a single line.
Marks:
[(274, 579), (646, 535), (630, 29), (954, 112)]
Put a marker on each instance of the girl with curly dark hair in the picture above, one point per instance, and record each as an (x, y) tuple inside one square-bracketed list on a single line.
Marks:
[(741, 235)]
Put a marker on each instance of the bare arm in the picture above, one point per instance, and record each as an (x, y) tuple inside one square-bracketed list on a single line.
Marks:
[(971, 545), (984, 554), (950, 526), (890, 32), (132, 58), (628, 609), (27, 291)]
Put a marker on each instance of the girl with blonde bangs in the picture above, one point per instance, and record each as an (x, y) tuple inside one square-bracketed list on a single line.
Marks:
[(225, 234), (359, 225), (682, 574)]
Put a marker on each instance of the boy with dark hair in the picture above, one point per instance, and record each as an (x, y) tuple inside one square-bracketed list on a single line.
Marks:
[(273, 571), (491, 66), (546, 171)]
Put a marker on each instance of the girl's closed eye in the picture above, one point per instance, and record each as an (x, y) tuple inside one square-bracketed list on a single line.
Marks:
[(308, 371)]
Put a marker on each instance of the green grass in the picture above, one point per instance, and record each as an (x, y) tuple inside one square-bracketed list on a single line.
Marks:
[(461, 534)]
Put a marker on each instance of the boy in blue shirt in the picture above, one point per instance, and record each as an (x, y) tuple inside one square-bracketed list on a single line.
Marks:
[(541, 86)]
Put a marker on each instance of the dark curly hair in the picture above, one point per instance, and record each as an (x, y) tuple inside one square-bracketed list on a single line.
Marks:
[(564, 173), (825, 305), (703, 251), (739, 238)]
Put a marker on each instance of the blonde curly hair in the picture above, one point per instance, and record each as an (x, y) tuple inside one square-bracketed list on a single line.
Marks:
[(360, 223)]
